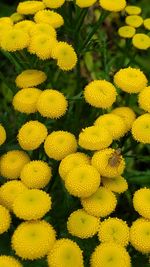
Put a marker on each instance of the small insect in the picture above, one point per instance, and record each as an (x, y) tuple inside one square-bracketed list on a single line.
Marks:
[(115, 158)]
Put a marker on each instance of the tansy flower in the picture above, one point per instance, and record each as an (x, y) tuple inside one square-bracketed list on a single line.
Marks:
[(116, 184), (95, 138), (141, 129), (108, 162), (71, 161), (83, 3), (43, 28), (32, 204), (126, 31), (9, 261), (31, 135), (30, 78), (82, 225), (133, 10), (30, 7), (139, 235), (12, 163), (113, 123), (60, 144), (14, 40), (144, 99), (33, 240), (6, 20), (141, 41), (5, 220), (114, 6), (16, 17), (4, 28), (127, 114), (50, 17), (24, 25), (101, 203), (36, 174), (147, 23), (2, 135), (25, 100), (52, 104), (65, 252), (114, 230), (130, 80), (100, 94), (53, 3), (110, 255), (134, 21), (9, 191), (82, 181), (141, 202)]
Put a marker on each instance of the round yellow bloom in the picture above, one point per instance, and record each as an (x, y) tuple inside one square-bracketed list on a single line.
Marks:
[(110, 255), (12, 163), (130, 80), (2, 135), (29, 78), (32, 204), (30, 7), (60, 144), (82, 181), (116, 184), (108, 163), (25, 100), (5, 220), (141, 41), (134, 21), (133, 10), (141, 129), (53, 3), (9, 261), (41, 28), (6, 20), (101, 203), (141, 202), (32, 134), (95, 138), (113, 123), (147, 23), (9, 191), (100, 94), (65, 252), (14, 40), (144, 99), (139, 235), (114, 230), (114, 6), (52, 104), (16, 17), (24, 25), (83, 3), (4, 28), (82, 225), (126, 31), (127, 114), (36, 174), (33, 240), (50, 17)]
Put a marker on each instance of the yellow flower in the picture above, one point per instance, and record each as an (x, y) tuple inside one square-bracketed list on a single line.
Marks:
[(82, 225), (9, 261), (39, 171), (101, 203), (141, 202), (32, 204), (9, 191), (52, 104), (30, 7), (127, 114), (32, 134), (29, 78), (25, 100), (65, 253), (6, 20), (133, 10), (116, 184), (4, 29), (113, 123), (2, 135), (114, 230), (147, 23), (143, 99), (33, 240), (126, 31), (83, 3), (14, 40), (24, 25), (95, 138), (114, 6), (82, 181), (134, 21), (141, 41), (60, 144), (53, 3), (12, 163), (5, 220), (43, 28), (16, 17), (141, 129), (100, 94), (139, 235), (50, 17), (110, 255), (130, 80)]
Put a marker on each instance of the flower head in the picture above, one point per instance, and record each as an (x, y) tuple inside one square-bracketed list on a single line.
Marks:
[(30, 78), (133, 10), (114, 6), (116, 184), (147, 23), (127, 114), (53, 3), (6, 20), (141, 41), (24, 25), (5, 220), (134, 21), (141, 202), (9, 261), (83, 3), (14, 40), (16, 17), (2, 135), (30, 7), (43, 28), (141, 129), (143, 99), (50, 17), (126, 31)]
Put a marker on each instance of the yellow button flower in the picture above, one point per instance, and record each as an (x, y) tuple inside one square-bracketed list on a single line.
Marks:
[(14, 40), (53, 3), (9, 261), (141, 41), (116, 184), (50, 17), (83, 3), (141, 202), (141, 129), (2, 135), (16, 17), (134, 21), (114, 6), (126, 31), (30, 7), (144, 99), (45, 28), (5, 220), (133, 10), (30, 78), (147, 23), (24, 25), (127, 114), (6, 20)]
